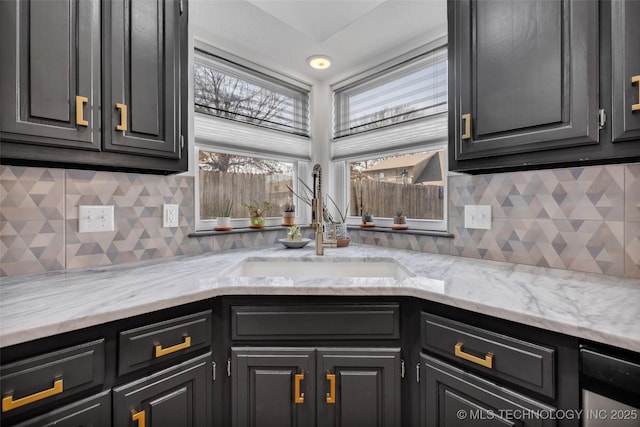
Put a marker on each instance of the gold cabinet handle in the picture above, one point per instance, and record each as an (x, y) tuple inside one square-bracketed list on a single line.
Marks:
[(80, 101), (123, 116), (139, 417), (297, 396), (8, 403), (487, 362), (636, 79), (466, 118), (331, 396), (164, 351)]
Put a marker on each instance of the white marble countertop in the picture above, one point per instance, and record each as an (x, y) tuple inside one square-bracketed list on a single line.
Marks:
[(596, 307)]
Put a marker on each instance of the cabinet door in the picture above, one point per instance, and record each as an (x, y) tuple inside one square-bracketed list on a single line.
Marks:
[(272, 387), (178, 396), (92, 412), (451, 397), (50, 72), (142, 77), (359, 387), (523, 76), (625, 77)]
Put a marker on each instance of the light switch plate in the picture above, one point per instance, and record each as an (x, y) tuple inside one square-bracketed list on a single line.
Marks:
[(95, 218), (170, 214), (477, 216)]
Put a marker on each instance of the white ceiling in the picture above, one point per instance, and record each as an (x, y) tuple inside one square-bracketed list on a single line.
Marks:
[(282, 34)]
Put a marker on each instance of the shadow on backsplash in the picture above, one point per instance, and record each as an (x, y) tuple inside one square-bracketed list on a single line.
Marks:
[(583, 219)]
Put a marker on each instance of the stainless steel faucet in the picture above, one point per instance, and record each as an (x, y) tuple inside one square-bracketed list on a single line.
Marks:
[(316, 208)]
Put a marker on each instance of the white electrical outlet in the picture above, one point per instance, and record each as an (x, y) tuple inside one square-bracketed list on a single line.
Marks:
[(95, 218), (169, 215), (477, 216)]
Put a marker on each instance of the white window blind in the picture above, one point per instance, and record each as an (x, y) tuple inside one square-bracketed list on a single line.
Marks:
[(411, 90), (230, 91)]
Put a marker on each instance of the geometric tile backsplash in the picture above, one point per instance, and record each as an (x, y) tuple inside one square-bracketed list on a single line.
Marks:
[(584, 219)]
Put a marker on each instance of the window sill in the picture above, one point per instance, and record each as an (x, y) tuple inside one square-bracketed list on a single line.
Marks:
[(408, 231), (203, 233), (241, 230)]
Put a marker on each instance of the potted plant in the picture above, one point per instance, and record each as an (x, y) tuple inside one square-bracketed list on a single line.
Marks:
[(223, 209), (294, 234), (399, 220), (289, 214), (335, 228), (367, 219), (257, 213)]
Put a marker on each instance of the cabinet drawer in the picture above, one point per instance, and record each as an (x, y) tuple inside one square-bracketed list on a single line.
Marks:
[(313, 321), (522, 363), (47, 378), (94, 411), (151, 344)]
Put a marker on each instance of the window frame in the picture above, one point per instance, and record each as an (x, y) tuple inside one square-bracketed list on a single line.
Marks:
[(413, 223), (299, 167), (422, 134)]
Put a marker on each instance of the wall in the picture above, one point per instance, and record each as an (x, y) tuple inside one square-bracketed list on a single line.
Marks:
[(584, 219)]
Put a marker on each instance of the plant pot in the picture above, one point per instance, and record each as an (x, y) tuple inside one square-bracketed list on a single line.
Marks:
[(256, 222), (223, 223), (288, 218), (400, 220), (337, 232)]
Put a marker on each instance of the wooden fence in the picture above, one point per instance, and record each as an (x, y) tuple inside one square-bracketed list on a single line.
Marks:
[(376, 197), (382, 199), (242, 188)]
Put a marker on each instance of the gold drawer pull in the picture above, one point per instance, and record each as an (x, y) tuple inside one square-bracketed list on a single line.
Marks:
[(466, 118), (139, 417), (297, 396), (164, 351), (636, 79), (487, 362), (80, 101), (123, 116), (8, 403), (331, 396)]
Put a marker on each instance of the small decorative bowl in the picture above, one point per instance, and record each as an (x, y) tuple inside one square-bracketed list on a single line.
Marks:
[(294, 244)]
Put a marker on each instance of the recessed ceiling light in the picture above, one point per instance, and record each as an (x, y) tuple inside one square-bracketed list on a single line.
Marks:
[(319, 62)]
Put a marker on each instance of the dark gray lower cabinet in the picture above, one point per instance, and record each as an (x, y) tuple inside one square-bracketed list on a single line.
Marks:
[(306, 386), (94, 411), (178, 396), (452, 397)]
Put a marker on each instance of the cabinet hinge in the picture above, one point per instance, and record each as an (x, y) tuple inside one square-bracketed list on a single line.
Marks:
[(229, 367), (213, 371), (418, 372), (602, 118), (401, 368), (180, 5)]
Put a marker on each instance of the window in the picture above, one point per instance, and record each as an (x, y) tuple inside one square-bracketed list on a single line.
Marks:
[(242, 180), (230, 91), (413, 89), (390, 139), (417, 190)]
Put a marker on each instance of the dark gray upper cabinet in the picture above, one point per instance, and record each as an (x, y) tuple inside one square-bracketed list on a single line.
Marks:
[(524, 83), (50, 73), (141, 98), (94, 84), (625, 77)]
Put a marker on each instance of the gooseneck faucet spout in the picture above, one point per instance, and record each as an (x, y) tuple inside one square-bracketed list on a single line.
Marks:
[(316, 208)]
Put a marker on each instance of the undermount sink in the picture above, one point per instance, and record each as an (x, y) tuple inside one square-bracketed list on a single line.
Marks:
[(318, 267)]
